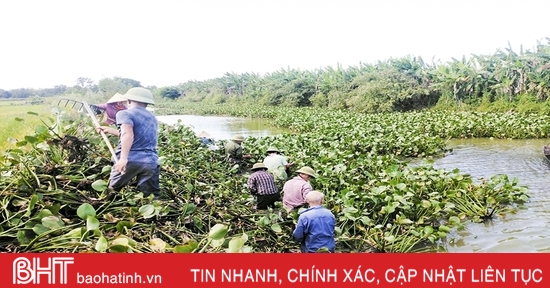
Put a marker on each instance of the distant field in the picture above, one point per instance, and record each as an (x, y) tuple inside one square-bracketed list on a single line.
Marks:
[(11, 128)]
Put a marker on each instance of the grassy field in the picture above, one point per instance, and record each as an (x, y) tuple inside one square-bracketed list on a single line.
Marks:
[(17, 122)]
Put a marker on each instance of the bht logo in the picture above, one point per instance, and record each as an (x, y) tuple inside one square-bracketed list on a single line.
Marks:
[(27, 271)]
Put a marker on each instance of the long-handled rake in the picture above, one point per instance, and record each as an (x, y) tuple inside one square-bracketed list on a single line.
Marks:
[(96, 124), (70, 103), (79, 105)]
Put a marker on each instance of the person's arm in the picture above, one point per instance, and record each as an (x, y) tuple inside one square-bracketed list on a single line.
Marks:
[(108, 130), (299, 232), (252, 185), (306, 188), (126, 142), (101, 105), (288, 164)]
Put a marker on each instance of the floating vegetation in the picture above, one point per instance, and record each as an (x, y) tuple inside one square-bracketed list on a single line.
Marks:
[(54, 185)]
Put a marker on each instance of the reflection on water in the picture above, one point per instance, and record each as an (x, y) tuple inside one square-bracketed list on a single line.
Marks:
[(224, 127), (528, 230)]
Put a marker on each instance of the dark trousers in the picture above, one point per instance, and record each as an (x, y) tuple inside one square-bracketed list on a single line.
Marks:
[(147, 175), (267, 201)]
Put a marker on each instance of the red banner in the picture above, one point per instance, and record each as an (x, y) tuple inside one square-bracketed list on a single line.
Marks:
[(276, 270)]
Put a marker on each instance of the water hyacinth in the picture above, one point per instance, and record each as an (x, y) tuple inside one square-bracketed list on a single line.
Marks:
[(54, 185)]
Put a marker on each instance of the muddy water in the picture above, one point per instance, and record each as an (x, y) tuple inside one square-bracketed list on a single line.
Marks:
[(221, 128), (528, 230)]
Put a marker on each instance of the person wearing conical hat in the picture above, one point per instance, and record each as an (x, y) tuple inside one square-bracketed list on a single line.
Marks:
[(205, 138), (277, 164), (262, 185), (113, 105), (296, 189), (234, 150), (137, 147)]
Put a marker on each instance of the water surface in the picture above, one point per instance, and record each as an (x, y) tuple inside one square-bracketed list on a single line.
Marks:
[(220, 127), (528, 230)]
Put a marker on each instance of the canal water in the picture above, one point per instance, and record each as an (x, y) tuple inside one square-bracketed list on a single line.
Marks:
[(527, 230), (220, 127)]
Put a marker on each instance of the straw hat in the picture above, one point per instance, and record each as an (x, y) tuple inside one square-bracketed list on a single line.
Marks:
[(308, 171), (117, 98), (258, 166), (203, 134), (238, 138), (272, 149)]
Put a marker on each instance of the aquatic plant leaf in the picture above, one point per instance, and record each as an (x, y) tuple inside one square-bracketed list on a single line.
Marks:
[(100, 185), (188, 247), (22, 237), (183, 249), (189, 187), (454, 220), (120, 226), (247, 249), (75, 233), (31, 139), (276, 228), (92, 223), (443, 228), (389, 238), (404, 221), (119, 248), (43, 213), (235, 245), (85, 210), (52, 222), (157, 244), (43, 146), (147, 211), (101, 245), (54, 208), (105, 169), (401, 186), (218, 231), (32, 202), (120, 241), (428, 230), (217, 243), (39, 229), (41, 129), (188, 209)]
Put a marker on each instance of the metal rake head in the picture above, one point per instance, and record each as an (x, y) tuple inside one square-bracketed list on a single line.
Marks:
[(70, 104)]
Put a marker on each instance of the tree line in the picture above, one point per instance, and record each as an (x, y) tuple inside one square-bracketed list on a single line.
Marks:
[(502, 79), (83, 85)]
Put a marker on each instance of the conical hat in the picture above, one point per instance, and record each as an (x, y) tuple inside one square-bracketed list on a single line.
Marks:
[(203, 134), (116, 98)]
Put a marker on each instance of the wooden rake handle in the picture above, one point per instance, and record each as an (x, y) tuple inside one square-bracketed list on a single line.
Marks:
[(96, 124)]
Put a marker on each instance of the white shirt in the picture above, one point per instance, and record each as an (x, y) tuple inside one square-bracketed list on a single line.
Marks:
[(276, 164)]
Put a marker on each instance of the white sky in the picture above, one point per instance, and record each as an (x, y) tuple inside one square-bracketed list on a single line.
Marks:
[(44, 43)]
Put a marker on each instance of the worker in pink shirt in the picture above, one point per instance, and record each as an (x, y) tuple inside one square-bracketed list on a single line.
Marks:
[(296, 189), (115, 104)]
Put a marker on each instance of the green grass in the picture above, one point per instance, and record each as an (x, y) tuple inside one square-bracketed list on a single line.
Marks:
[(16, 123)]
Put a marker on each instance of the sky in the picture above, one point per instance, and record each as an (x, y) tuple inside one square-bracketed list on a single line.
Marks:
[(168, 42)]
